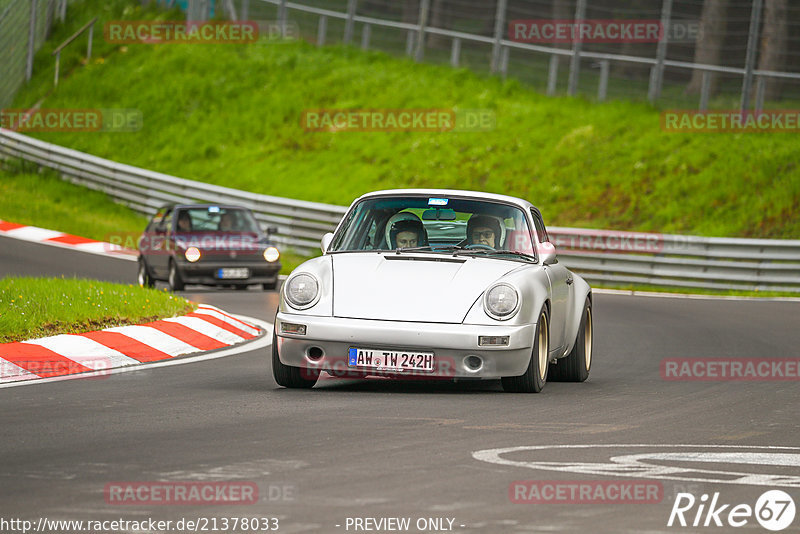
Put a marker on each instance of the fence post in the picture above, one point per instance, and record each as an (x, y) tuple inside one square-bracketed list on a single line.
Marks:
[(62, 12), (499, 25), (410, 37), (504, 51), (365, 31), (705, 89), (322, 30), (602, 87), (661, 52), (58, 64), (575, 63), (455, 52), (424, 7), (552, 75), (752, 44), (282, 15), (350, 22), (245, 9), (760, 90), (89, 46), (31, 41)]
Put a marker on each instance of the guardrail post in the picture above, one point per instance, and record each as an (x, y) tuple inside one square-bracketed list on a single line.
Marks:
[(705, 89), (499, 25), (602, 87), (552, 75), (365, 33), (455, 52), (577, 44), (322, 29), (31, 41), (424, 7), (750, 61), (350, 22), (657, 79)]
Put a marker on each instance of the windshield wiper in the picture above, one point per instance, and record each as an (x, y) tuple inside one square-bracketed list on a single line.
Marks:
[(430, 248), (493, 252)]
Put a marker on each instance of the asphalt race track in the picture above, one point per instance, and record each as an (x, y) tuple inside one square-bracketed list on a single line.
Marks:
[(378, 449)]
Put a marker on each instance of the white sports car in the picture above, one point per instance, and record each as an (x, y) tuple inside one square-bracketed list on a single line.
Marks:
[(435, 284)]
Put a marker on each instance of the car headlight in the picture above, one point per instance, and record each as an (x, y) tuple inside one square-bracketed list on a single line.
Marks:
[(301, 290), (501, 301), (192, 254), (271, 254)]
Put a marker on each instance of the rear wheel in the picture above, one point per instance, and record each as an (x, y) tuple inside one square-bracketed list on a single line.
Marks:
[(287, 375), (174, 280), (576, 365), (535, 376), (143, 276)]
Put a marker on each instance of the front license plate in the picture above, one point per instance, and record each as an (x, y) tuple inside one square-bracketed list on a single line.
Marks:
[(390, 360), (233, 272)]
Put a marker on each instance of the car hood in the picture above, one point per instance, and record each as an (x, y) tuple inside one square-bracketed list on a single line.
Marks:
[(411, 287)]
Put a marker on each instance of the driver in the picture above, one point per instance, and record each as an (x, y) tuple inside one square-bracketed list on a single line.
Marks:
[(184, 222), (483, 230), (407, 233)]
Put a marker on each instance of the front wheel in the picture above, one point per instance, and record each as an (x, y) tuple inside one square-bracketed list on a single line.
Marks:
[(287, 375), (174, 280), (576, 365), (536, 374), (143, 276)]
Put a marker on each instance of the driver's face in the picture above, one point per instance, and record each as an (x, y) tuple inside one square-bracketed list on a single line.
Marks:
[(406, 239), (482, 235)]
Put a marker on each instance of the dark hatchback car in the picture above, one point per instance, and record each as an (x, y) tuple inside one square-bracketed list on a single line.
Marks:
[(208, 244)]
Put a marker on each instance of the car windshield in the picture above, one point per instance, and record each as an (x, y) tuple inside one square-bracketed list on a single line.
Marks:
[(216, 219), (416, 223)]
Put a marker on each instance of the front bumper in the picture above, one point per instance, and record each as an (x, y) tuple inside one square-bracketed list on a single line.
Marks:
[(204, 272), (451, 345)]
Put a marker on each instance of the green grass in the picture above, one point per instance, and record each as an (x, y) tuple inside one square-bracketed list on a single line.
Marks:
[(36, 307), (697, 291), (230, 115), (42, 199)]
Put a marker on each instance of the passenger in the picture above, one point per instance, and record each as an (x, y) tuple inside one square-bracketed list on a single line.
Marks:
[(184, 222), (407, 233), (226, 222), (483, 230)]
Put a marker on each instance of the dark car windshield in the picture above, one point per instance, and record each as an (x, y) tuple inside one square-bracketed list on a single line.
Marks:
[(215, 219), (434, 224)]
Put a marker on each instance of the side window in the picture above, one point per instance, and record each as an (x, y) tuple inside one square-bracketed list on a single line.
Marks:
[(541, 232)]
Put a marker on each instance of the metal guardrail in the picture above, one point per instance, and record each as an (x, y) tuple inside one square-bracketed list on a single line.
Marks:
[(599, 255)]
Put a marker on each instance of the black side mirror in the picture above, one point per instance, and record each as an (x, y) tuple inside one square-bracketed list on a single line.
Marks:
[(272, 230)]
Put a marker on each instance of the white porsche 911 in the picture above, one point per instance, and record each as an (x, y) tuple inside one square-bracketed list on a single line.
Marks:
[(435, 284)]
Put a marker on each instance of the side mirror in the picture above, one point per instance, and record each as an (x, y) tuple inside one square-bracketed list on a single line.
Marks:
[(547, 253), (325, 242), (272, 230)]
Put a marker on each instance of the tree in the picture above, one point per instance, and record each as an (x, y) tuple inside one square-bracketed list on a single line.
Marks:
[(708, 48), (773, 44)]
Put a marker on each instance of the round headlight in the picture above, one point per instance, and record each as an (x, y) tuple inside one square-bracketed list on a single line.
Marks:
[(192, 254), (271, 254), (501, 301), (301, 290)]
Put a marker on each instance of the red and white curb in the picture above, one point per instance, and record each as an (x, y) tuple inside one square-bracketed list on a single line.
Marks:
[(60, 239), (97, 353)]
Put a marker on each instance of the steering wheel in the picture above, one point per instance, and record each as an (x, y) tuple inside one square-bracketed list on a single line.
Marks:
[(480, 246)]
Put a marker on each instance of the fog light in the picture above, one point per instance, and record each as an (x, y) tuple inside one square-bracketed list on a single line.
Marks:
[(292, 328), (473, 363), (492, 341)]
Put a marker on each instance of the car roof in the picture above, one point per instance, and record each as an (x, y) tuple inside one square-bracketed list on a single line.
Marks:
[(459, 193), (208, 205)]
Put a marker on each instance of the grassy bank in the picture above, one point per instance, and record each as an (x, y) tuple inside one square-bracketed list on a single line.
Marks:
[(230, 115), (37, 307)]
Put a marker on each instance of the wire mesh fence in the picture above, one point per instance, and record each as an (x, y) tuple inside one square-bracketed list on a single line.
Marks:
[(24, 26), (709, 54)]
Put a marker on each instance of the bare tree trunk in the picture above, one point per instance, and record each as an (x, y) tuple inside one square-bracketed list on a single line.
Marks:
[(773, 44), (713, 24)]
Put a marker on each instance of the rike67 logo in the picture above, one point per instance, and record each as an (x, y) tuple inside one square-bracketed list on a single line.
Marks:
[(774, 510)]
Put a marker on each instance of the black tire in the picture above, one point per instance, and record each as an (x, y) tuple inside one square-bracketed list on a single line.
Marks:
[(272, 286), (175, 281), (287, 375), (535, 376), (240, 287), (143, 275), (575, 366)]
